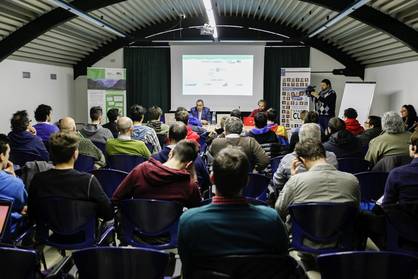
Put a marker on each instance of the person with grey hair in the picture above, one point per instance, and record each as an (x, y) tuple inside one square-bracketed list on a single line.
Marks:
[(124, 144), (233, 130), (393, 141), (306, 131)]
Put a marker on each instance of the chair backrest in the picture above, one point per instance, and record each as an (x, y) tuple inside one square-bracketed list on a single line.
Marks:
[(250, 201), (100, 145), (353, 165), (120, 263), (372, 185), (329, 225), (367, 264), (18, 263), (387, 163), (257, 186), (73, 223), (20, 158), (109, 179), (402, 227), (242, 267), (125, 162), (275, 162), (84, 163), (150, 218)]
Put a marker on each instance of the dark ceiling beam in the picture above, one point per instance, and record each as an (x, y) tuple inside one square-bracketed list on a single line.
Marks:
[(353, 67), (374, 18), (44, 23)]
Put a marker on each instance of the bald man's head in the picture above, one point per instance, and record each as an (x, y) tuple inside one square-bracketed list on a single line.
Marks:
[(67, 124), (124, 125)]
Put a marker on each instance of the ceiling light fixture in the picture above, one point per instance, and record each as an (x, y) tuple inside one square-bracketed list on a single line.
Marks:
[(211, 17)]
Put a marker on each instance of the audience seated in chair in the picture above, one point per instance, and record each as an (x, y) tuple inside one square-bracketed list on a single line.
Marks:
[(178, 132), (252, 149), (229, 225), (11, 187), (175, 180), (154, 121), (95, 131), (182, 115), (236, 113), (321, 183), (23, 136), (142, 132), (85, 146), (393, 141), (65, 182), (261, 132), (409, 117), (402, 183), (112, 116), (279, 130), (124, 144), (343, 143), (307, 131), (373, 128), (44, 128), (351, 123)]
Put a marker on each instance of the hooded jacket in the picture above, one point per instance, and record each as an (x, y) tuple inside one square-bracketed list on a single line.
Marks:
[(96, 133), (353, 126), (263, 135), (344, 145), (153, 180), (26, 142)]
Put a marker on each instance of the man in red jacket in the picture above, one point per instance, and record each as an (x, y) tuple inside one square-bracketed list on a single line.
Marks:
[(175, 180), (351, 123), (183, 116)]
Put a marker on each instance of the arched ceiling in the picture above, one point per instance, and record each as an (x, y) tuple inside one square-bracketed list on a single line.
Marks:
[(381, 32)]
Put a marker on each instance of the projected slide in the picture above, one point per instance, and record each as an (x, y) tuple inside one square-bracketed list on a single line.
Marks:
[(218, 75)]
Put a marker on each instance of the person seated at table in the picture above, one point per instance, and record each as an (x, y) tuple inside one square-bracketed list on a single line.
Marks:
[(201, 112), (262, 107)]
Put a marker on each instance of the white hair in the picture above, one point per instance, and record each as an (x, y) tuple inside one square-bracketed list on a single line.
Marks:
[(310, 131), (392, 123)]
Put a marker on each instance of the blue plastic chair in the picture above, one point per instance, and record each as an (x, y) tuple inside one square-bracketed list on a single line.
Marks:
[(372, 187), (257, 186), (353, 165), (72, 223), (149, 219), (21, 157), (120, 263), (367, 264), (402, 227), (84, 163), (100, 145), (109, 179), (125, 162), (18, 263), (323, 223), (250, 201), (275, 162)]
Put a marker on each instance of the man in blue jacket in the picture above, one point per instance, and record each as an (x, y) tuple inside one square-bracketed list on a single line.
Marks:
[(23, 136), (201, 112)]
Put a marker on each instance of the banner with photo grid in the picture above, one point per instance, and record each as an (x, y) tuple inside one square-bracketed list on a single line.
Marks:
[(293, 100)]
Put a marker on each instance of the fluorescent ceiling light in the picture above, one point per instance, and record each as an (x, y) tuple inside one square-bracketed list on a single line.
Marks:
[(339, 17), (211, 17), (83, 15)]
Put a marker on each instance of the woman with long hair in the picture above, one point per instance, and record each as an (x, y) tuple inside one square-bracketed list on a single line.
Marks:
[(409, 117)]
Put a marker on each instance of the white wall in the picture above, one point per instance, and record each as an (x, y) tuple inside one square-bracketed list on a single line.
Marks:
[(17, 93), (321, 62), (113, 60), (396, 85)]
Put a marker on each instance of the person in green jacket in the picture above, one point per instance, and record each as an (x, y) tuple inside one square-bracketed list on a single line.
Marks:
[(124, 144)]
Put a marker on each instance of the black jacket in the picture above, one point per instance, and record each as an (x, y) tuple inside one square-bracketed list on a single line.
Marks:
[(344, 145), (368, 135)]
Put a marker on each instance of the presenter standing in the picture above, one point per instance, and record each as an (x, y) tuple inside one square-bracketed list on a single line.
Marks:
[(201, 112), (325, 103)]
